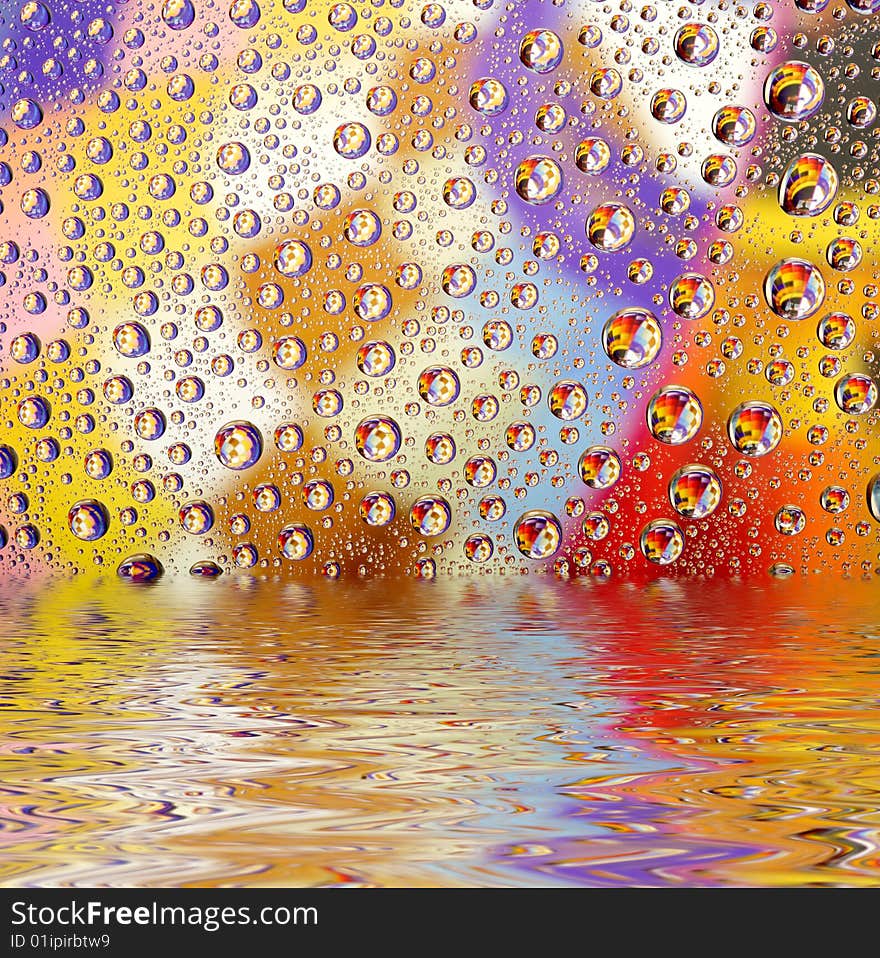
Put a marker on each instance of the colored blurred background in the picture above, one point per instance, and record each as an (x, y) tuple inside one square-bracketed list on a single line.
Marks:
[(427, 289)]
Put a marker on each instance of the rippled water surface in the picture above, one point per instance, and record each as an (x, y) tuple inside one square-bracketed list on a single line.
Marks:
[(503, 733)]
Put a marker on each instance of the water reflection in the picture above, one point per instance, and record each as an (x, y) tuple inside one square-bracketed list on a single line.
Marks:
[(514, 732)]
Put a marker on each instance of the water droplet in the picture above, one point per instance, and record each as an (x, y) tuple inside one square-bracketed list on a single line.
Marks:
[(538, 534), (430, 515), (794, 91), (755, 428), (611, 227), (592, 155), (696, 44), (668, 106), (88, 520), (734, 125), (695, 491), (197, 518), (691, 296), (438, 386), (140, 568), (488, 96), (351, 140), (296, 541), (808, 186), (836, 330), (790, 520), (855, 394), (632, 338), (377, 438), (377, 509), (794, 289), (873, 494), (674, 415), (661, 541), (567, 400), (541, 51), (538, 180), (599, 467), (178, 14), (238, 445)]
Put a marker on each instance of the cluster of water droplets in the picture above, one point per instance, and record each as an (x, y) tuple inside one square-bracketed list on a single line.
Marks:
[(397, 287)]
